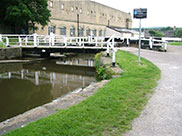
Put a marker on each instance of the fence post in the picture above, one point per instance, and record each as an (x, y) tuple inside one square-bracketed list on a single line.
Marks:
[(35, 40), (49, 40), (26, 40), (89, 39), (96, 41), (128, 42), (20, 41), (1, 38), (52, 38), (150, 42), (107, 49), (102, 42), (65, 41), (7, 41), (80, 41)]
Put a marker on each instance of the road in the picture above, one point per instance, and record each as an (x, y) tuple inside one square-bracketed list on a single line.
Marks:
[(162, 116)]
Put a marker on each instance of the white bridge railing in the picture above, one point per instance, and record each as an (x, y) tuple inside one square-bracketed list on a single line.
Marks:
[(51, 40)]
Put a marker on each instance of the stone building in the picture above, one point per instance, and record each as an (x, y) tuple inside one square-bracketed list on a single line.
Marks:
[(90, 17)]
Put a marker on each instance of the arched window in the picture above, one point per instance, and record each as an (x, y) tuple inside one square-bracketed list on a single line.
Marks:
[(94, 32), (81, 31), (100, 32), (63, 31), (87, 32)]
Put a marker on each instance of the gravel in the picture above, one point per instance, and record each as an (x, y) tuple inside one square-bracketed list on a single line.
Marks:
[(162, 116)]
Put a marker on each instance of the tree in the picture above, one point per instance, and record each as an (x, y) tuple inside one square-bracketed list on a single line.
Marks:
[(24, 13), (178, 33), (155, 33), (165, 29)]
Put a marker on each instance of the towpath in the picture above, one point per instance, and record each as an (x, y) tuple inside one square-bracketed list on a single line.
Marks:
[(162, 116)]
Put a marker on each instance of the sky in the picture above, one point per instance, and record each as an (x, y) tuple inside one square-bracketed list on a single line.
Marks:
[(159, 12)]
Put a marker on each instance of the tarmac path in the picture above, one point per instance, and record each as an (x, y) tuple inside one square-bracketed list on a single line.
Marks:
[(162, 116)]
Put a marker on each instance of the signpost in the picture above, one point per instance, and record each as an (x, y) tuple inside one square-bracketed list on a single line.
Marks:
[(139, 14)]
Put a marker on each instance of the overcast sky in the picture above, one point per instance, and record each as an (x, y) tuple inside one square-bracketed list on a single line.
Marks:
[(160, 12)]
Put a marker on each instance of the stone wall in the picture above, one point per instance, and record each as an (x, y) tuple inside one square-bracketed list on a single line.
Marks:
[(10, 53)]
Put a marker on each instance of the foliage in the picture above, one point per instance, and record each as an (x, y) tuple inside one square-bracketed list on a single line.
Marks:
[(176, 43), (165, 29), (109, 111), (102, 72), (155, 33), (21, 13), (178, 33), (2, 45)]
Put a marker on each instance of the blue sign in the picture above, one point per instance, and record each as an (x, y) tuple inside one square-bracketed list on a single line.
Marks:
[(140, 13)]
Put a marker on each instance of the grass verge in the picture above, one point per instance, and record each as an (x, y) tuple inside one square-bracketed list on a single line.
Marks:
[(109, 111), (176, 43)]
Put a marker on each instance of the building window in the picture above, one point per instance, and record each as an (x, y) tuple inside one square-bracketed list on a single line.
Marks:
[(42, 28), (51, 4), (72, 8), (94, 32), (72, 31), (100, 32), (81, 31), (63, 31), (88, 32), (62, 6), (51, 29)]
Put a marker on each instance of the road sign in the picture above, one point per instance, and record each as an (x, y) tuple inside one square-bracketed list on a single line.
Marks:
[(140, 13)]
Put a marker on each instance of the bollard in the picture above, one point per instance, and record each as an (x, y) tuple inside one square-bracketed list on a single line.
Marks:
[(113, 58)]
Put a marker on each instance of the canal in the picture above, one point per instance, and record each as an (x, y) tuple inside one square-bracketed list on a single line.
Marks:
[(26, 86)]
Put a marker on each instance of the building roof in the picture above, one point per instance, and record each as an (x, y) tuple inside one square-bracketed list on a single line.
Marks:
[(123, 30)]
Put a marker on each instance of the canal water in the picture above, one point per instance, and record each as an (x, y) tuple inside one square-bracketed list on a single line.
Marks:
[(26, 86)]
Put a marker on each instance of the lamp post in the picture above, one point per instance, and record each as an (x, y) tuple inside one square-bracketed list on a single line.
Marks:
[(78, 18)]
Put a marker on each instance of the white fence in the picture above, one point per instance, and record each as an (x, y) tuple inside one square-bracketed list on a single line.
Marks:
[(51, 40)]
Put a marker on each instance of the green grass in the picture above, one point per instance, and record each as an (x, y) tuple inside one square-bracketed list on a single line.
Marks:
[(109, 111), (176, 43)]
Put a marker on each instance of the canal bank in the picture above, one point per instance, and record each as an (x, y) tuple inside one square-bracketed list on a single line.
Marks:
[(60, 74), (10, 53), (65, 101), (110, 110)]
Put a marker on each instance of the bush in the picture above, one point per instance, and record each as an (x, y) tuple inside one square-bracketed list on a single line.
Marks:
[(102, 72), (2, 45)]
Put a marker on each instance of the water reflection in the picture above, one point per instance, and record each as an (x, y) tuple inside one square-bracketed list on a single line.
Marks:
[(77, 62), (25, 86)]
